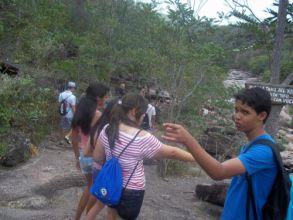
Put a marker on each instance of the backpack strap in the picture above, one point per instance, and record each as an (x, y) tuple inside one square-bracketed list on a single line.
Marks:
[(250, 193), (131, 175), (137, 161), (250, 197), (66, 97), (273, 146), (129, 144)]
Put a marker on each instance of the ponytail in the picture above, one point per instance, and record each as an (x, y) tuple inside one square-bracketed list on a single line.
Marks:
[(120, 114)]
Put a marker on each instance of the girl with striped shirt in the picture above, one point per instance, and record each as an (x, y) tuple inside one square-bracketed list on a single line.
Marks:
[(125, 121)]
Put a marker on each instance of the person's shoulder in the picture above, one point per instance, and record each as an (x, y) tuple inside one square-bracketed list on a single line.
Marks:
[(262, 149), (103, 131), (63, 92), (143, 133)]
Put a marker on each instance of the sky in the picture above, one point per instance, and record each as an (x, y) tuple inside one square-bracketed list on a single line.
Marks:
[(211, 7)]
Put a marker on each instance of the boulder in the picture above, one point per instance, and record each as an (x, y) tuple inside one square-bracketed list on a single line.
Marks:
[(17, 148), (213, 193), (287, 157), (220, 144), (285, 118)]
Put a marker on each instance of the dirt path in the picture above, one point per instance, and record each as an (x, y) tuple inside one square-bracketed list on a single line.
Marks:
[(48, 187)]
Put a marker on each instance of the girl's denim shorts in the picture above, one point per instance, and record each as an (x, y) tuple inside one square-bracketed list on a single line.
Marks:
[(85, 163)]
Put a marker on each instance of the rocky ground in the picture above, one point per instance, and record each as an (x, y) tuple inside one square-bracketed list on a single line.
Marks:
[(48, 187)]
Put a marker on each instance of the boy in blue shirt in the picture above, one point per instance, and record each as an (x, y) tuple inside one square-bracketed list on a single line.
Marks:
[(252, 108)]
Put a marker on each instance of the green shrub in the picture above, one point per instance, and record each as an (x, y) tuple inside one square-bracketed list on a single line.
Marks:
[(177, 168), (3, 149), (259, 64), (25, 106)]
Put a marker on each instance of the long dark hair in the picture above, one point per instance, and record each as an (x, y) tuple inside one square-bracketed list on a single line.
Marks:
[(119, 114), (86, 108), (103, 120)]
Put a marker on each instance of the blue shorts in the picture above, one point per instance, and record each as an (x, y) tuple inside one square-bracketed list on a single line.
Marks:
[(65, 123), (85, 163)]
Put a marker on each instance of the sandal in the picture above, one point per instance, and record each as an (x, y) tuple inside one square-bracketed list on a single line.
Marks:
[(67, 140)]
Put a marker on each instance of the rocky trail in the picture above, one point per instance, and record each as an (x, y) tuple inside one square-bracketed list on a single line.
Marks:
[(48, 187)]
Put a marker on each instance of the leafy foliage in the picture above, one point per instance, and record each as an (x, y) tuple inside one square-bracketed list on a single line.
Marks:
[(96, 40), (24, 106)]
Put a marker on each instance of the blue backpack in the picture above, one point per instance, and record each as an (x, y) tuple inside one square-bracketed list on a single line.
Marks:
[(108, 185)]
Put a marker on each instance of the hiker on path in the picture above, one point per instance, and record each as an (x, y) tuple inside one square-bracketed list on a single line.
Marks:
[(86, 115), (95, 132), (149, 119), (121, 91), (124, 125), (66, 119), (252, 108)]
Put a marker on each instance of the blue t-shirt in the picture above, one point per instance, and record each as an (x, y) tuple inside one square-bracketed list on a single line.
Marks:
[(259, 162)]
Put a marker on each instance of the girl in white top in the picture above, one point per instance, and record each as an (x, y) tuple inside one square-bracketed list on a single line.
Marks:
[(124, 124)]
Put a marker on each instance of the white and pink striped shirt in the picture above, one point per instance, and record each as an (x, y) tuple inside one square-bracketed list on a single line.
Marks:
[(142, 147)]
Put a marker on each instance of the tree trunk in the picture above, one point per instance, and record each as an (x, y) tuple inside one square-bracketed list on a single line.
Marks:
[(272, 124)]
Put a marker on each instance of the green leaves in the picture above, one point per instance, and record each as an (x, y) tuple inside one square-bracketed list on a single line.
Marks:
[(25, 106)]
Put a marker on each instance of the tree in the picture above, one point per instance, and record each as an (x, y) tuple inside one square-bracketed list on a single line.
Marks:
[(264, 28), (273, 120)]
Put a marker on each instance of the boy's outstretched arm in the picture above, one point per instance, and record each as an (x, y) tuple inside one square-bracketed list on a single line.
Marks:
[(215, 169)]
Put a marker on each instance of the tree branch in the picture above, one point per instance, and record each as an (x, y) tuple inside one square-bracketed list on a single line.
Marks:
[(243, 6), (288, 79), (192, 90)]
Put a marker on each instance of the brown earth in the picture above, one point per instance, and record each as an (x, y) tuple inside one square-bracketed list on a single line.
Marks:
[(48, 187)]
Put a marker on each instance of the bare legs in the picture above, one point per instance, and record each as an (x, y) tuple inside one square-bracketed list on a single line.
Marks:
[(86, 201), (112, 214), (95, 210)]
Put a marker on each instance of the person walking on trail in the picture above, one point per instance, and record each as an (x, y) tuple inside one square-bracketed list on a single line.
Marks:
[(252, 108), (86, 115), (151, 112), (95, 132), (148, 122), (66, 118), (121, 91), (123, 128)]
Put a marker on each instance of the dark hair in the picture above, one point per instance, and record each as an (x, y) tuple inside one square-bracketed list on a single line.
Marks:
[(119, 114), (86, 108), (103, 120), (256, 98)]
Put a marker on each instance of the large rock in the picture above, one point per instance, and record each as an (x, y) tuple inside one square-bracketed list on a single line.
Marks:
[(213, 193), (221, 144), (17, 149), (285, 117), (287, 157)]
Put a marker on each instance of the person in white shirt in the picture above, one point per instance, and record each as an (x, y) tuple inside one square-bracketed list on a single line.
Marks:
[(151, 112), (65, 120)]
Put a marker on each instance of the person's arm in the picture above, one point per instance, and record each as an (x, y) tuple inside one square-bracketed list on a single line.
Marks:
[(153, 121), (212, 167), (73, 103), (170, 152), (88, 151), (74, 144), (99, 152), (73, 108)]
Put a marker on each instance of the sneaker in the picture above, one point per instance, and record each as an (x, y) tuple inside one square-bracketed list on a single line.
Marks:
[(67, 140)]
